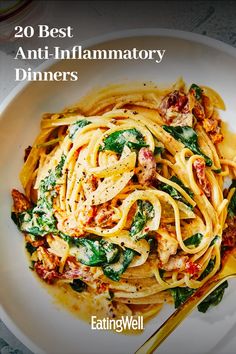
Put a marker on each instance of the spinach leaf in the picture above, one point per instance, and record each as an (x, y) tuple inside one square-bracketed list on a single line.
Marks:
[(174, 193), (153, 244), (59, 167), (15, 218), (96, 252), (197, 91), (30, 248), (117, 140), (214, 298), (194, 240), (144, 213), (232, 203), (171, 191), (111, 295), (208, 269), (180, 183), (76, 126), (158, 150), (39, 220), (188, 137), (214, 240), (219, 170), (115, 270), (70, 240), (180, 295), (161, 272), (36, 224), (49, 181), (78, 285)]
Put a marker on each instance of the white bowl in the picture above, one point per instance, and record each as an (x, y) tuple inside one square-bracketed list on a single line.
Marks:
[(27, 309)]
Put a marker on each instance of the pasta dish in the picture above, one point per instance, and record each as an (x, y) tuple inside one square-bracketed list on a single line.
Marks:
[(125, 203)]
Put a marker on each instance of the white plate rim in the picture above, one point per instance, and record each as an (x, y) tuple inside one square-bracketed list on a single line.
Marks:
[(152, 32)]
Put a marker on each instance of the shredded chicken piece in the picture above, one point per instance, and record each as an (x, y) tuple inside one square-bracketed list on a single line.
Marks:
[(167, 246), (146, 170), (88, 214), (200, 168), (208, 118), (210, 125), (216, 137), (198, 110), (20, 202), (175, 263), (49, 260), (57, 245), (105, 216), (73, 270), (208, 106), (68, 224), (91, 182)]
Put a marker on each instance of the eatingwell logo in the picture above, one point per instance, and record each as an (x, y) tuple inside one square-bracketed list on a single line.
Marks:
[(119, 325)]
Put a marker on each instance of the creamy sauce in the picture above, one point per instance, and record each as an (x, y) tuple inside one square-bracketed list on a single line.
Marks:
[(228, 146), (82, 305)]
